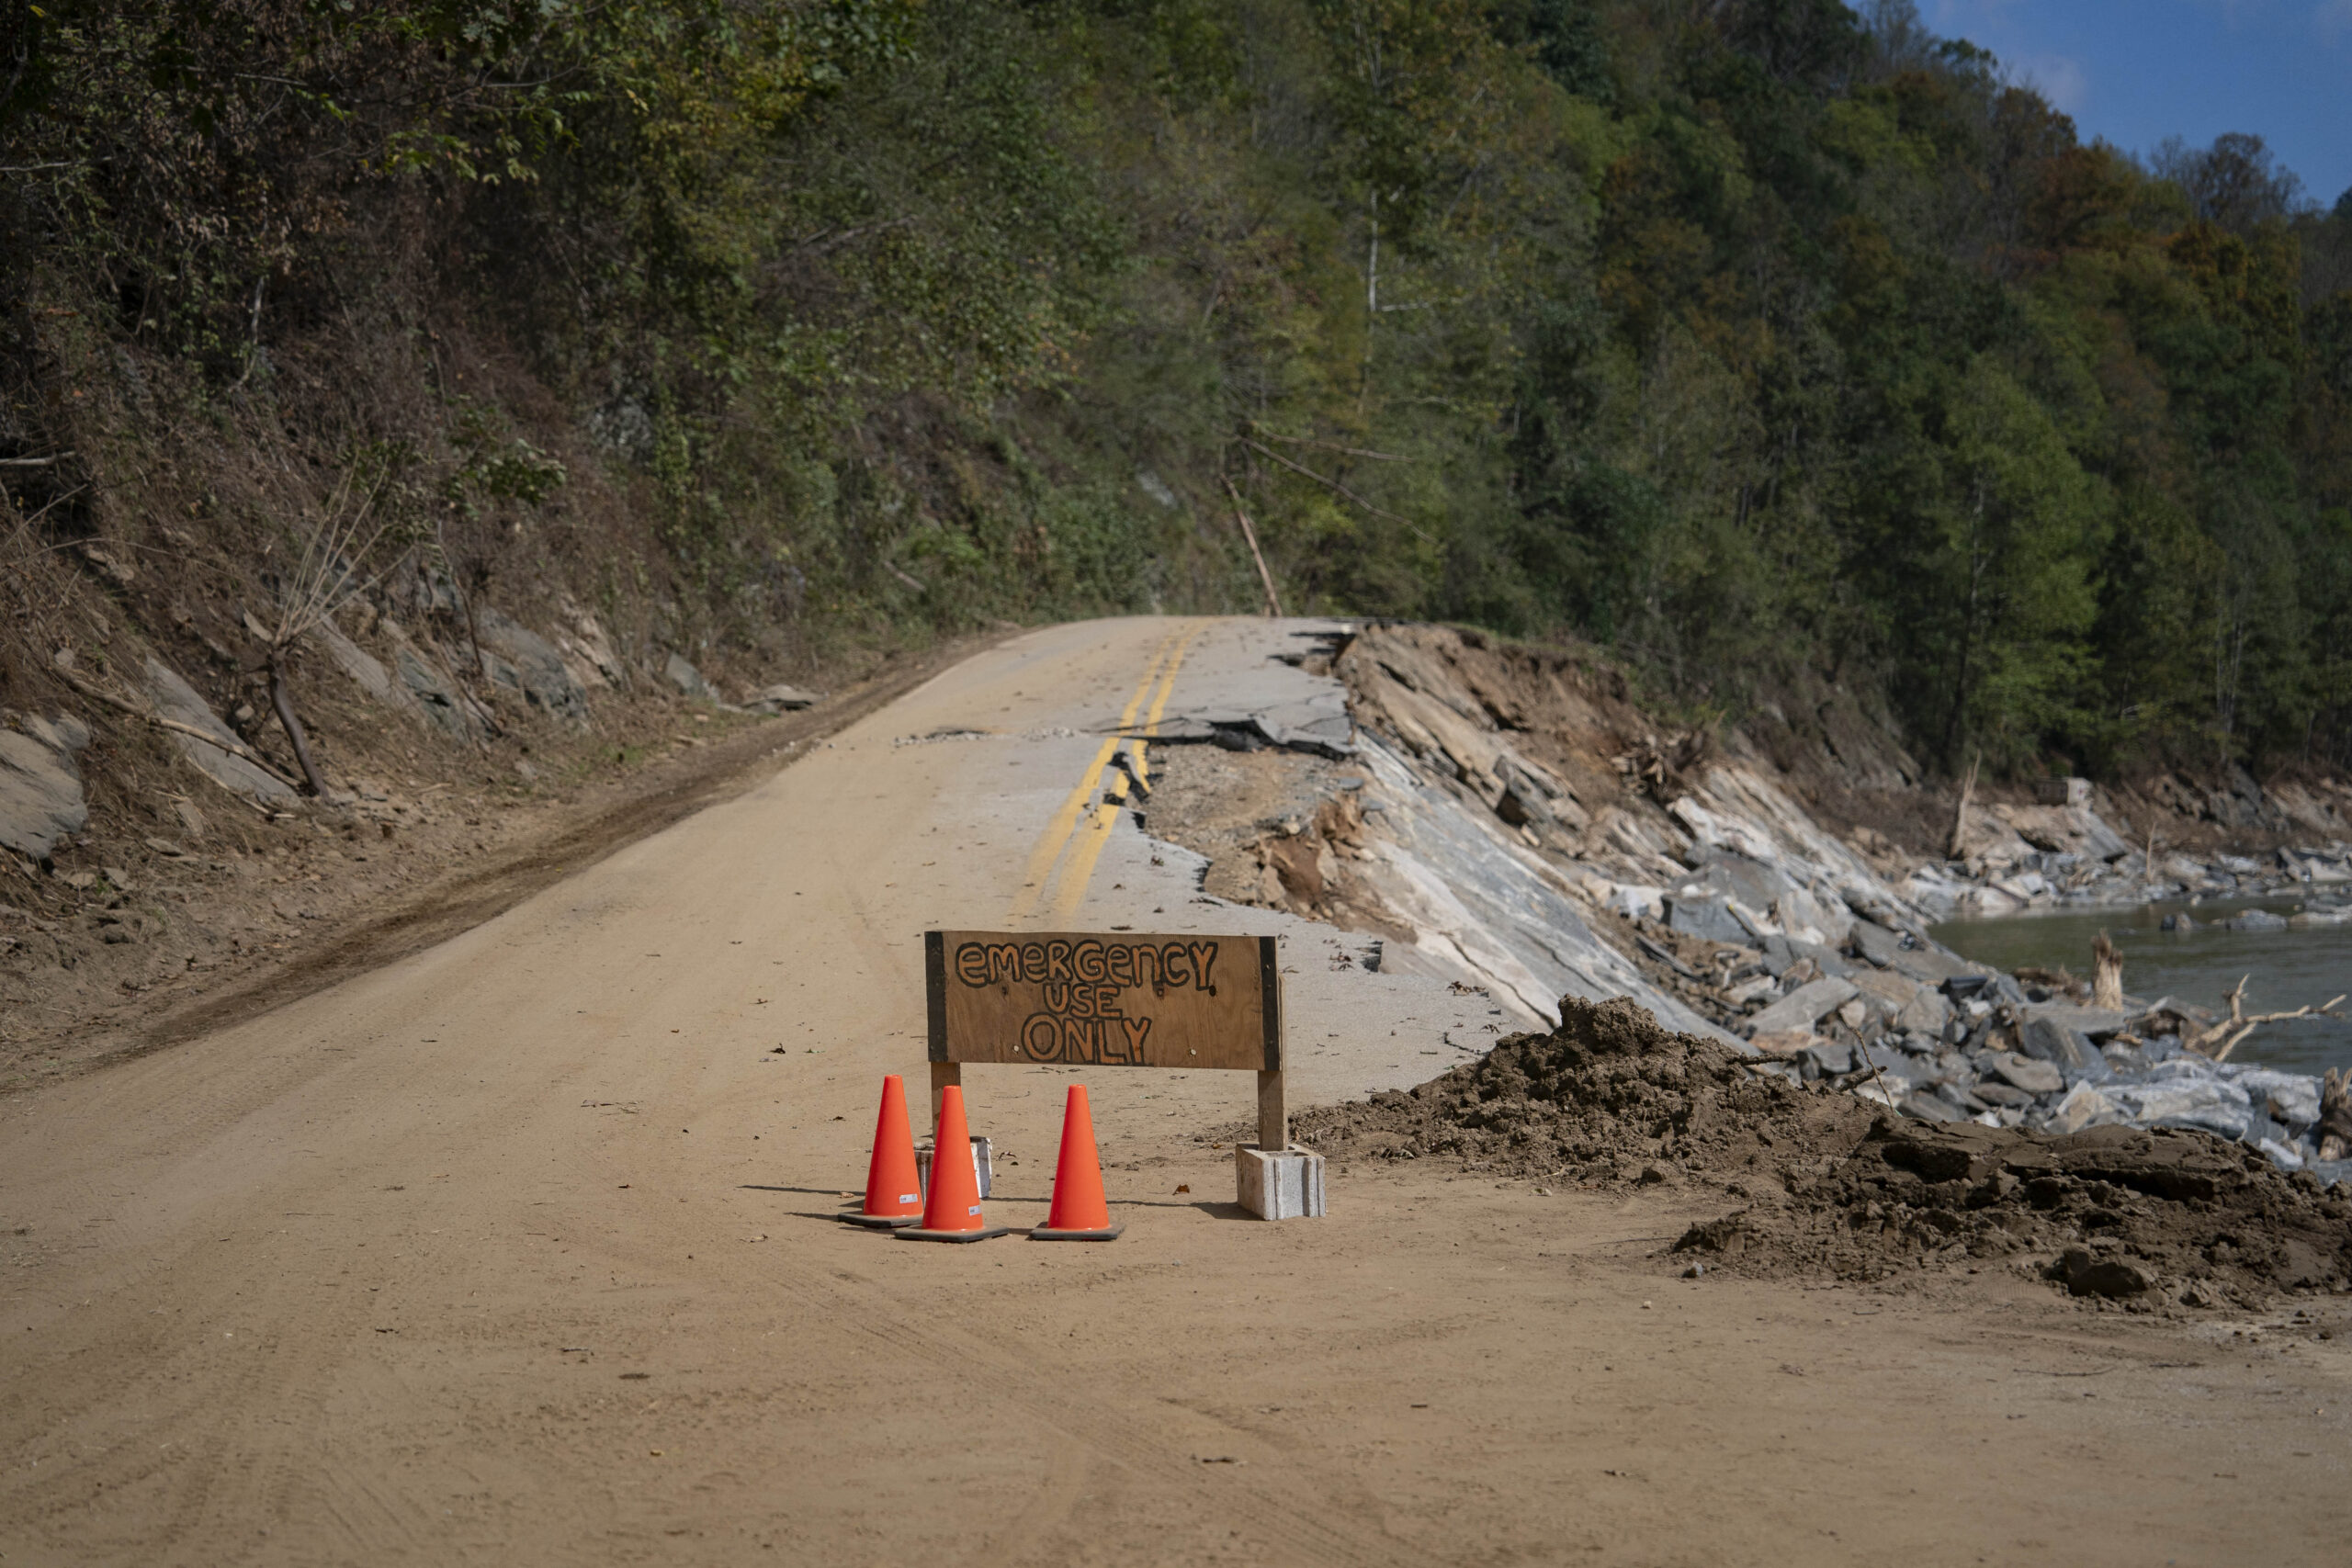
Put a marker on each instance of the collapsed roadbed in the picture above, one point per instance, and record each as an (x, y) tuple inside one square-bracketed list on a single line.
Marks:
[(1509, 817)]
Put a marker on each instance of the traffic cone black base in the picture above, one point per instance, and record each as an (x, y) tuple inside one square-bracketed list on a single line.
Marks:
[(917, 1233), (880, 1222), (1047, 1232)]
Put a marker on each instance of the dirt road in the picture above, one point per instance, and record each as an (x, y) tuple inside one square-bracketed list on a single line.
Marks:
[(521, 1250)]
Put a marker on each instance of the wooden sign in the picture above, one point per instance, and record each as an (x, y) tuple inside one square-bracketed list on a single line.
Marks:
[(1114, 998)]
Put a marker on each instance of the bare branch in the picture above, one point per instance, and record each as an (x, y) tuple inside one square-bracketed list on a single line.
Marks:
[(1273, 605), (137, 710), (1336, 485), (1329, 446), (2237, 1026)]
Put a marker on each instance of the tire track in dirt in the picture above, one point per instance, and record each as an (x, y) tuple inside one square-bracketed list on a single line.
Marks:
[(463, 900)]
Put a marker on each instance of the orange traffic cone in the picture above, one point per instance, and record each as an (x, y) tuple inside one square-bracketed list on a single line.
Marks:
[(1078, 1213), (893, 1196), (952, 1210)]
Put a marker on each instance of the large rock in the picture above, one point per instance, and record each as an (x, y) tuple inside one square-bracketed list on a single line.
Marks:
[(41, 789), (781, 698), (2208, 1103), (680, 671), (2025, 1073), (1706, 916), (2070, 1051), (1803, 1007), (178, 701), (1783, 954), (2096, 1023), (521, 661), (2082, 1106)]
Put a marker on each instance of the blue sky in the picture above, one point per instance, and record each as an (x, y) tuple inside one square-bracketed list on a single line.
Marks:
[(2135, 71)]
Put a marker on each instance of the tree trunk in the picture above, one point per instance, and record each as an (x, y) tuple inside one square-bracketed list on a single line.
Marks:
[(2335, 1114), (2107, 974), (1958, 848), (281, 698)]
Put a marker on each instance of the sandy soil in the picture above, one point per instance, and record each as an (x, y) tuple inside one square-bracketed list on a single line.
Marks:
[(521, 1250)]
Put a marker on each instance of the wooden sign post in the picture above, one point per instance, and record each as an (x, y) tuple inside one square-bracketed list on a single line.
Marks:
[(1112, 999)]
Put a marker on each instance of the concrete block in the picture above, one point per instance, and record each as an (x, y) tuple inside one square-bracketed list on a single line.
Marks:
[(982, 1167), (1288, 1186)]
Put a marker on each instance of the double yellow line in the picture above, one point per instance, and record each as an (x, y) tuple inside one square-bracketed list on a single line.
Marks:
[(1077, 868)]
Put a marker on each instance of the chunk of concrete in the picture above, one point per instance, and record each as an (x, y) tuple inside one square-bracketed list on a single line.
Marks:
[(1803, 1007), (1288, 1186)]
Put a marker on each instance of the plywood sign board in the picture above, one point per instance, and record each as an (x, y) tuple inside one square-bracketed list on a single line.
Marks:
[(1114, 998)]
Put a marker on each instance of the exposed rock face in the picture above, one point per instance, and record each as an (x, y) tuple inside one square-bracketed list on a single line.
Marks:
[(523, 661), (436, 696), (41, 788), (366, 670), (176, 700)]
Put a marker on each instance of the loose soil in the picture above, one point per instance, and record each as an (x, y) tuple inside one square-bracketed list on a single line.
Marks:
[(1831, 1186)]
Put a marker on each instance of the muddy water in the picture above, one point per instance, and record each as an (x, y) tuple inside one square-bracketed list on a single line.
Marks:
[(2285, 969)]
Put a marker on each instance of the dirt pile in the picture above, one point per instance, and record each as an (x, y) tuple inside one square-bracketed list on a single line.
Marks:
[(1608, 1096), (1828, 1185), (2144, 1216)]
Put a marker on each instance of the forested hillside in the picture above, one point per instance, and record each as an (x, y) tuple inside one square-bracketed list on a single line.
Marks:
[(1767, 344)]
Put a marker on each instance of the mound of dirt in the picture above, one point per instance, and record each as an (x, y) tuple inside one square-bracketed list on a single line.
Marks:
[(2142, 1216), (1830, 1185), (1608, 1096)]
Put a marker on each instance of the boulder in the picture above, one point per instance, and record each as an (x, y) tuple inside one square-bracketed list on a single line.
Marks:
[(2068, 1051), (2082, 1106), (2025, 1073), (1706, 916), (41, 788), (2088, 1276), (2256, 920), (2095, 1022), (524, 661), (1803, 1007), (1826, 1060), (680, 672), (2290, 1098), (1783, 954), (781, 698), (178, 701), (2211, 1104)]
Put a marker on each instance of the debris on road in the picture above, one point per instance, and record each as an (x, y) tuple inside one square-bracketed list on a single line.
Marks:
[(1831, 1184)]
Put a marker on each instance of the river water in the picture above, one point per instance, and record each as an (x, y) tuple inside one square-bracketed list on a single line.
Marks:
[(2287, 969)]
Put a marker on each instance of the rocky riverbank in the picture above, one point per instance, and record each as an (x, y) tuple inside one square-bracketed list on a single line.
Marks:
[(1510, 815)]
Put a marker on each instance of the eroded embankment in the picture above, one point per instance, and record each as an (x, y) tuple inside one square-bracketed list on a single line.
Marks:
[(1823, 1183)]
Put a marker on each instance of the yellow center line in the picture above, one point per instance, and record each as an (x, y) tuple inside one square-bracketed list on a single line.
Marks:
[(1089, 847), (1048, 848)]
